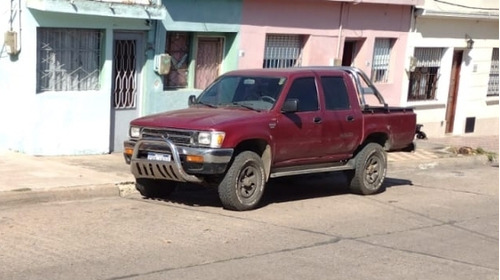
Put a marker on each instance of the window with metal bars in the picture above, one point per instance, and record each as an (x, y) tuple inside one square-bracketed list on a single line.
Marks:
[(282, 51), (68, 59), (425, 74), (125, 74), (178, 46), (493, 81), (381, 60)]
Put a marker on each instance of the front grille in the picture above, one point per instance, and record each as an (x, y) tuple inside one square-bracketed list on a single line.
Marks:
[(178, 137)]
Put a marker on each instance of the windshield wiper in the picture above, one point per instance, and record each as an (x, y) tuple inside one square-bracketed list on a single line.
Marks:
[(245, 106), (206, 104)]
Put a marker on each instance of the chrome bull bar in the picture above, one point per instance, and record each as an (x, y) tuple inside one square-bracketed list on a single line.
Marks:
[(142, 167), (154, 169)]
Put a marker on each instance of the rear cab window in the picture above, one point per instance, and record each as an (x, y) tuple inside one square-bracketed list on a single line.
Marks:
[(335, 93)]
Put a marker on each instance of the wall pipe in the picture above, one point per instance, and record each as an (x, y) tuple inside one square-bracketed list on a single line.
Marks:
[(340, 29)]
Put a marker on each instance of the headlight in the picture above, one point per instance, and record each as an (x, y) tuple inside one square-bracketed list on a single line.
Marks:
[(212, 139), (135, 132)]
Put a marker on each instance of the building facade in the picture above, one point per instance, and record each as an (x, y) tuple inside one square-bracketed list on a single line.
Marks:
[(371, 35), (89, 67), (452, 77), (74, 73), (69, 69)]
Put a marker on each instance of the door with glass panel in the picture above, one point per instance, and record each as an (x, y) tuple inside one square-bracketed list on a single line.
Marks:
[(126, 90)]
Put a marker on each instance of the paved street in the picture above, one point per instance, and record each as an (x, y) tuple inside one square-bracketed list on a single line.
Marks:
[(438, 223)]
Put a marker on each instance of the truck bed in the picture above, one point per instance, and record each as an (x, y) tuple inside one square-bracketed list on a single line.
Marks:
[(398, 122)]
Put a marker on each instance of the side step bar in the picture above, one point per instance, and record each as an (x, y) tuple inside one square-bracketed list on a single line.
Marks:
[(309, 169)]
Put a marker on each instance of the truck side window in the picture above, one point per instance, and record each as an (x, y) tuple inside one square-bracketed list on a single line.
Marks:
[(336, 96), (304, 90)]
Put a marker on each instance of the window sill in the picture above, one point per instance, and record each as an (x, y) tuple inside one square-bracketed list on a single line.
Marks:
[(426, 104), (184, 90), (492, 100)]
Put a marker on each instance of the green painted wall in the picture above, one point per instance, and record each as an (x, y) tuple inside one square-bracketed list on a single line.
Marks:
[(201, 18)]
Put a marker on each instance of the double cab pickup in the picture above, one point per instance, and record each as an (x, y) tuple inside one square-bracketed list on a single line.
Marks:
[(252, 125)]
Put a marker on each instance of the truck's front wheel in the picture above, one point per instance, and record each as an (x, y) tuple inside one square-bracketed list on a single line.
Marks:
[(370, 170), (152, 188), (243, 185)]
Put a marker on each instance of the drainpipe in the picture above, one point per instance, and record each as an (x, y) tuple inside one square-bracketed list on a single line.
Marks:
[(340, 29)]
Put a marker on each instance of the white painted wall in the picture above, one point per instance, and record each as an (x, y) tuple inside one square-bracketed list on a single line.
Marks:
[(449, 33), (53, 123)]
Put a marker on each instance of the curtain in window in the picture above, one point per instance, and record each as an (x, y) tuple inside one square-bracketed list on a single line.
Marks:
[(382, 54), (381, 59)]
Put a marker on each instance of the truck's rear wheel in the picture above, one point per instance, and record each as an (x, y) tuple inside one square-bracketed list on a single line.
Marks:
[(152, 188), (243, 185), (370, 170)]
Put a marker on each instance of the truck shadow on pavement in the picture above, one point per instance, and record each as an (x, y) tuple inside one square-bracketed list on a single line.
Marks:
[(278, 190), (314, 186)]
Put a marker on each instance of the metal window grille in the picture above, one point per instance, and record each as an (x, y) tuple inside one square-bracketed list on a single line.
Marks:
[(423, 79), (381, 60), (125, 80), (68, 59), (282, 51), (178, 46), (493, 81)]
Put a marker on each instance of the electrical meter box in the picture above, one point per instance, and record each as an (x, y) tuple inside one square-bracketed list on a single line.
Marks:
[(162, 64), (10, 42)]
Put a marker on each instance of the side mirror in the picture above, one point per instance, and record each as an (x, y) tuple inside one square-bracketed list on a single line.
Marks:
[(290, 106), (191, 100)]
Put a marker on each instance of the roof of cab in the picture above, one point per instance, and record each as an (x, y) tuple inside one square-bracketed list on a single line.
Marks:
[(290, 71)]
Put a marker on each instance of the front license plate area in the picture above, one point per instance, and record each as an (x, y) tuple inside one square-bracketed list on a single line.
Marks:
[(159, 157)]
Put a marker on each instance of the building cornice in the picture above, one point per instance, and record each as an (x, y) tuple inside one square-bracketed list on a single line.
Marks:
[(100, 8), (445, 14)]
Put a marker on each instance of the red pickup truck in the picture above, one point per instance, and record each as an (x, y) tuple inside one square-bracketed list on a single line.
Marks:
[(252, 125)]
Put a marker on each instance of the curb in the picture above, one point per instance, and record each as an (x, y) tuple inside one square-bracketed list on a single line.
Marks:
[(459, 161), (14, 198), (123, 189)]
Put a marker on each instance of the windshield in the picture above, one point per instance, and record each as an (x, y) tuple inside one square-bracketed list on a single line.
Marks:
[(257, 93)]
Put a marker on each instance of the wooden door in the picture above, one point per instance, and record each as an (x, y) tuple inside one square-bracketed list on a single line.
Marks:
[(451, 105), (208, 61)]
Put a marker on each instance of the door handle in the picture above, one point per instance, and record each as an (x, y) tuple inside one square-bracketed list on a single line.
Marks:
[(317, 120), (349, 118)]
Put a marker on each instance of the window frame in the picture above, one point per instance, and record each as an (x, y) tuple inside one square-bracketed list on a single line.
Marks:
[(493, 75), (424, 74), (283, 50), (381, 61), (68, 59), (180, 60)]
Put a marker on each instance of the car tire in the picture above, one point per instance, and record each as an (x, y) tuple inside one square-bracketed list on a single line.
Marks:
[(152, 188), (243, 185), (370, 170)]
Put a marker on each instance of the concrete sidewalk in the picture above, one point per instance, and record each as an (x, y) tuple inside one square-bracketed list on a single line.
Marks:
[(25, 178)]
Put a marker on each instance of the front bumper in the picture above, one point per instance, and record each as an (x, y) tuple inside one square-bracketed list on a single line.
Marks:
[(179, 167)]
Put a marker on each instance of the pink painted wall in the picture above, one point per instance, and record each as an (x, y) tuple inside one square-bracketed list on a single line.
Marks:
[(323, 25)]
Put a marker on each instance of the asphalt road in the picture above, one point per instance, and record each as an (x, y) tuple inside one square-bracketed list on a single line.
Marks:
[(439, 223)]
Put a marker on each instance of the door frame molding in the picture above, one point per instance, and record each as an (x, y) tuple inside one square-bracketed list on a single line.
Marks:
[(140, 38), (452, 99)]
